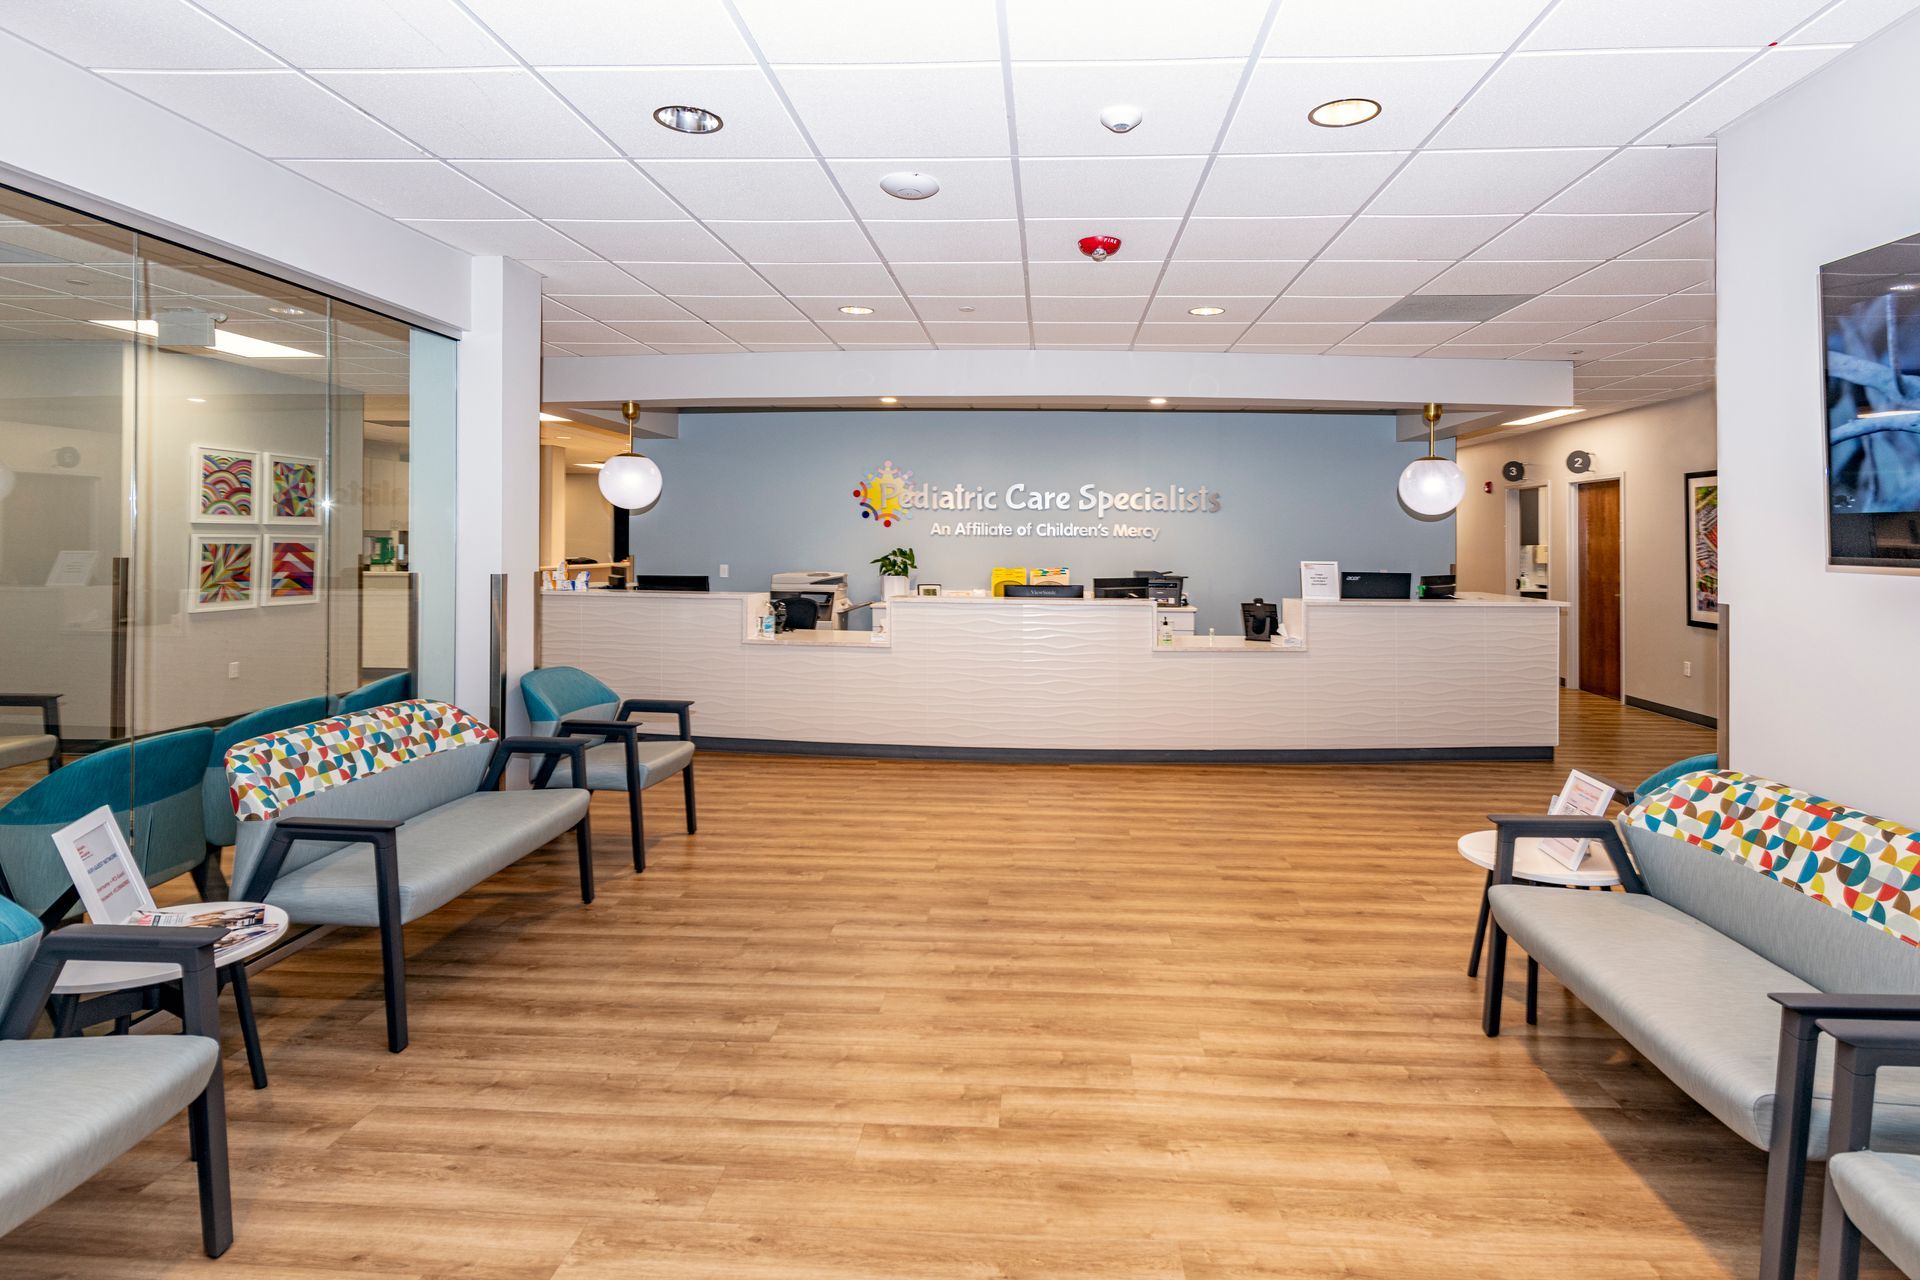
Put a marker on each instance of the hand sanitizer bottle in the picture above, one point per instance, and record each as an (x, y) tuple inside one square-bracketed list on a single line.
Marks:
[(1166, 633)]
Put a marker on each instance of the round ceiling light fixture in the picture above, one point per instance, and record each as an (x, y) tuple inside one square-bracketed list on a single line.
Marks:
[(856, 311), (688, 119), (1432, 486), (1206, 311), (630, 480), (1344, 113), (910, 185), (1121, 117)]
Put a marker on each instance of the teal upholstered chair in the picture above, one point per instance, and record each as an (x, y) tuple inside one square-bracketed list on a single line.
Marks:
[(567, 702), (153, 785), (216, 802), (69, 1108), (1666, 777), (30, 748), (376, 693)]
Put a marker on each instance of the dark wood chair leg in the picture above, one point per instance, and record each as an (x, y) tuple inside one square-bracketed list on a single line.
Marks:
[(1480, 929), (686, 780), (249, 1029), (393, 950), (207, 1122), (583, 838), (639, 823), (208, 879), (1533, 991), (1496, 977)]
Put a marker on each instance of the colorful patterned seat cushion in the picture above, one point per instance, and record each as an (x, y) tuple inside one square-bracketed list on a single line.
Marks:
[(267, 774), (1864, 866)]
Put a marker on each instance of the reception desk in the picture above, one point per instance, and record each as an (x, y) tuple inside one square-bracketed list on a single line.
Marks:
[(1474, 678)]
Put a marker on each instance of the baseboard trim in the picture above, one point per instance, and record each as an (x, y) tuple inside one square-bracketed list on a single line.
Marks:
[(1013, 755), (1678, 713)]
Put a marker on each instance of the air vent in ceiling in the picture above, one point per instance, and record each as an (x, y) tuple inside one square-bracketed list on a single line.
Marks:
[(1452, 306)]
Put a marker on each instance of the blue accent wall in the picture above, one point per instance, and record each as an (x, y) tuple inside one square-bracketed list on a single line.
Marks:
[(765, 492)]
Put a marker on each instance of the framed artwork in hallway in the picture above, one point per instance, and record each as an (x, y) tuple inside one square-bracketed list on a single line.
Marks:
[(1703, 548)]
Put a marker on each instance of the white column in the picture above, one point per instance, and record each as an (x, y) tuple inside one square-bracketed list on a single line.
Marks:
[(499, 478)]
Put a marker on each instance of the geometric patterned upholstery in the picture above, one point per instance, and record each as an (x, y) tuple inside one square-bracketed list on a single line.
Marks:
[(1864, 866), (269, 773)]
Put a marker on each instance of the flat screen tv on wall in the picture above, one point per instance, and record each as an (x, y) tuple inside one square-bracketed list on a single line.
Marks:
[(1870, 308)]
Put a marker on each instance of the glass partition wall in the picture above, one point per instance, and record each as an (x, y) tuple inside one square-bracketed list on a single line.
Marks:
[(204, 514)]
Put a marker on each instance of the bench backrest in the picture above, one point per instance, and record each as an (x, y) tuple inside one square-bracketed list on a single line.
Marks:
[(395, 761), (1828, 893), (19, 943), (554, 694)]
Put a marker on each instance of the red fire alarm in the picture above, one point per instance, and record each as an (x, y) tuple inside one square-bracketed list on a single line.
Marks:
[(1100, 248)]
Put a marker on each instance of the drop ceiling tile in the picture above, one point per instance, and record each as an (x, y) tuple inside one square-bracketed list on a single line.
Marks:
[(931, 109), (1505, 277), (629, 32), (565, 331), (873, 31), (363, 33), (1266, 278), (1095, 188), (1078, 332), (989, 278), (717, 279), (1058, 239), (1660, 24), (1580, 353), (502, 113), (1188, 348), (925, 241), (1183, 106), (789, 346), (886, 306), (509, 237), (1120, 310), (968, 189), (554, 309), (1267, 239), (888, 346), (1644, 275), (932, 307), (1576, 235), (604, 348), (588, 276), (768, 331), (620, 101), (1066, 31), (677, 240), (1629, 331), (1524, 333), (1654, 384), (1272, 186), (835, 241), (1694, 307), (652, 332), (862, 333), (1851, 21), (754, 308), (1689, 240), (1290, 333), (636, 306), (697, 348), (579, 189), (1090, 279), (1483, 182), (1574, 307), (1404, 237), (1281, 349), (1582, 99), (823, 279), (1422, 92), (276, 113), (407, 188), (1328, 278), (1644, 180), (1694, 368), (130, 34), (1418, 333), (1398, 28), (1770, 74), (979, 332), (1477, 351), (1082, 346), (1355, 310), (1240, 309), (1625, 367), (764, 190), (1377, 349)]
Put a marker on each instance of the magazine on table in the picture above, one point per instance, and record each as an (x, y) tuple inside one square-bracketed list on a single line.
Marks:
[(242, 923)]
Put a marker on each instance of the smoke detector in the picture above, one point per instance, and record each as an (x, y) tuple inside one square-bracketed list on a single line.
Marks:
[(908, 185), (1100, 248), (1121, 118)]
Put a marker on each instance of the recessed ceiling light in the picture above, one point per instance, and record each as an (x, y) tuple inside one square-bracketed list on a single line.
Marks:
[(909, 185), (1548, 416), (1206, 311), (1158, 400), (1343, 113), (287, 311), (856, 311), (889, 399), (196, 399), (688, 119), (233, 344)]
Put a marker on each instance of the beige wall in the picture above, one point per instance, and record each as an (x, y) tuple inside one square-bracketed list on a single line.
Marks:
[(589, 519), (1650, 450)]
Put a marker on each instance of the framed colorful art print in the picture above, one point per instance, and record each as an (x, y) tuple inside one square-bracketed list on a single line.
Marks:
[(1703, 548), (292, 489), (292, 570), (224, 572), (226, 485)]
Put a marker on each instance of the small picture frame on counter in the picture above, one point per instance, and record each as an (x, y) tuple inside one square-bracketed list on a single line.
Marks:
[(927, 589)]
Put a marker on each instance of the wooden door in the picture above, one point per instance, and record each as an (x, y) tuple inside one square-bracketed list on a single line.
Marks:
[(1600, 588)]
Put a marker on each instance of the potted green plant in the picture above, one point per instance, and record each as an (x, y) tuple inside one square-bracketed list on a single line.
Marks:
[(895, 566)]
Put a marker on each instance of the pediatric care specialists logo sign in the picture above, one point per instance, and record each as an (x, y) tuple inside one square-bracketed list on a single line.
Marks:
[(889, 495)]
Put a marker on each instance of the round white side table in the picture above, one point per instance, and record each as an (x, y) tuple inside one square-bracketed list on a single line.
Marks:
[(1530, 866)]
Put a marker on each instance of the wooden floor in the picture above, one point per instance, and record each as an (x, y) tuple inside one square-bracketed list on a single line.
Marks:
[(899, 1021)]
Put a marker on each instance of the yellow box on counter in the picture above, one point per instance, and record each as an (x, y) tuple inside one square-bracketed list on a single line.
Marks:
[(1003, 578)]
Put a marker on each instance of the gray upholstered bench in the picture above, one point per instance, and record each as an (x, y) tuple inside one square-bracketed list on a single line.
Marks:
[(1750, 913), (378, 817)]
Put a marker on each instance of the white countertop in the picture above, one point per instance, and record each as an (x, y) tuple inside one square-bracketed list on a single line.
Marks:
[(1469, 599)]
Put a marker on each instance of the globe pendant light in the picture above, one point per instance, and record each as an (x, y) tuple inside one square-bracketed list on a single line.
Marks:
[(630, 480), (1432, 486)]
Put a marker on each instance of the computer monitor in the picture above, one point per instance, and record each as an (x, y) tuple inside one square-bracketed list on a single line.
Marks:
[(1056, 590), (1119, 588), (1376, 586), (670, 582)]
